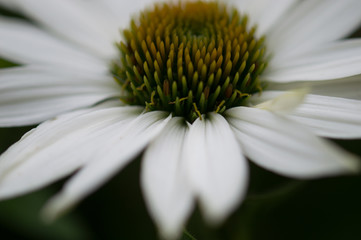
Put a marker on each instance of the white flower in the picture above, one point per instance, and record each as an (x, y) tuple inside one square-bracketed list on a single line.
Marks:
[(65, 57)]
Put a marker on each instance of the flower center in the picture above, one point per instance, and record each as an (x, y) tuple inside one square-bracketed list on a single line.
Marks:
[(189, 59)]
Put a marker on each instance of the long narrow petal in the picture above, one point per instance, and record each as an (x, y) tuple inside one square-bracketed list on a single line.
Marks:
[(286, 148), (215, 167), (23, 43), (330, 116), (313, 23), (344, 87), (331, 61), (167, 192), (57, 148), (122, 145), (29, 95), (75, 20)]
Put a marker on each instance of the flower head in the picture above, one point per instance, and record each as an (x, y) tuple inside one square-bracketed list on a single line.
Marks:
[(199, 87), (190, 59)]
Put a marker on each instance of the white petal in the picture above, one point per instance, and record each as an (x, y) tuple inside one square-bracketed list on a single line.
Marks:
[(26, 44), (264, 13), (313, 23), (345, 87), (125, 10), (286, 148), (57, 148), (75, 20), (29, 95), (167, 193), (8, 4), (330, 61), (330, 116), (122, 144), (216, 167)]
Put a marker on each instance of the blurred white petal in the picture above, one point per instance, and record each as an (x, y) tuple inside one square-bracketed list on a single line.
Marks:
[(167, 192), (311, 24), (24, 43), (264, 13), (344, 88), (287, 148), (42, 157), (74, 20), (216, 168), (330, 116), (29, 95), (330, 61), (124, 143)]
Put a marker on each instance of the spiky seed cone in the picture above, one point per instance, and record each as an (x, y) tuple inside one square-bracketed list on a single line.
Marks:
[(189, 59)]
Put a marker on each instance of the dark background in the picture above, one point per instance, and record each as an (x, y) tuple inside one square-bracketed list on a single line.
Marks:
[(276, 208)]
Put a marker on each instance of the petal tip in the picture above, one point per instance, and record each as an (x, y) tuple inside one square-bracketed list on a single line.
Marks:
[(170, 232), (354, 165), (286, 102), (55, 208)]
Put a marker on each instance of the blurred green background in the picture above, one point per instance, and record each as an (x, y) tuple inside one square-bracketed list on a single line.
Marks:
[(276, 208)]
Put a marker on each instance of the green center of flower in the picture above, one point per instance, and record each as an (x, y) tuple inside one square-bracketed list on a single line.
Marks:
[(189, 59)]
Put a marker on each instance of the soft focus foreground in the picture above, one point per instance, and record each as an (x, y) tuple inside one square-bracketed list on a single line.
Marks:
[(276, 208)]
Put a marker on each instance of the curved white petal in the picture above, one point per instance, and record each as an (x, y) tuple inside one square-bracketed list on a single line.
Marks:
[(326, 116), (263, 13), (125, 10), (344, 88), (286, 148), (29, 95), (57, 148), (23, 43), (216, 167), (75, 20), (311, 24), (330, 61), (167, 192), (330, 116), (123, 143)]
